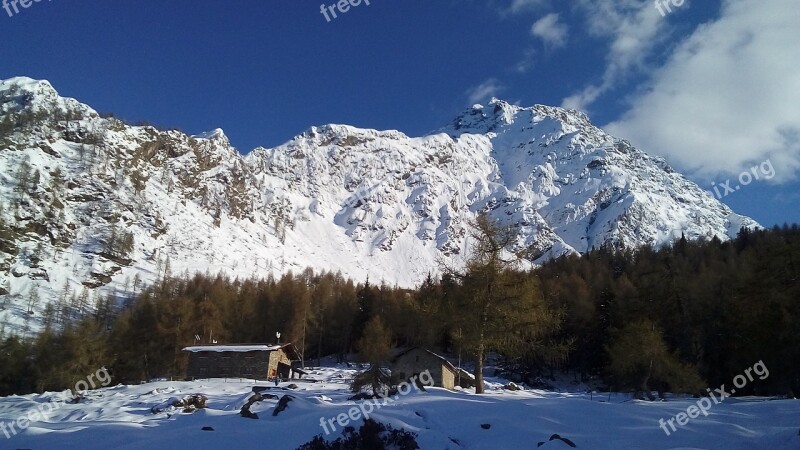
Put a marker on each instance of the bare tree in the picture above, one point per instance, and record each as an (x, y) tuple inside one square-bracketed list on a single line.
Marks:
[(33, 298)]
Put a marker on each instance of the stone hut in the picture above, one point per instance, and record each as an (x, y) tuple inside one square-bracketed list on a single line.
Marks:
[(255, 361), (416, 360)]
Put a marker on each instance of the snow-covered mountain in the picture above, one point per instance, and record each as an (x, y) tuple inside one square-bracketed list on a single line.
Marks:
[(92, 206)]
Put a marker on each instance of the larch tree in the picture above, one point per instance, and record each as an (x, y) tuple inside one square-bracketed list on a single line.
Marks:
[(498, 308)]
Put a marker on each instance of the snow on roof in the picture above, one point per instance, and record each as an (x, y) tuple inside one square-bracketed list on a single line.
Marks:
[(233, 348), (444, 360)]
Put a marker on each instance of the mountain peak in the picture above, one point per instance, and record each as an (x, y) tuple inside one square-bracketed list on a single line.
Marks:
[(38, 96), (26, 84), (498, 113), (482, 120), (217, 134)]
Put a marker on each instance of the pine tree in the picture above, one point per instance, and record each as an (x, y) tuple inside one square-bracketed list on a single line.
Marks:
[(167, 268), (374, 347), (112, 241), (57, 181), (23, 178), (83, 302), (36, 178), (126, 245), (640, 360), (136, 282)]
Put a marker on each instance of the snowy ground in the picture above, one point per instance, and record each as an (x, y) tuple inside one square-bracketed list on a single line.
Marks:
[(120, 417)]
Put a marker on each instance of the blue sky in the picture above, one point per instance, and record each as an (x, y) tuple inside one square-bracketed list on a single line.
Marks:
[(712, 86)]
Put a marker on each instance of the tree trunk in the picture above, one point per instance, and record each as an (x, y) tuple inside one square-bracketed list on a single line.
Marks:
[(481, 348), (479, 371), (645, 383)]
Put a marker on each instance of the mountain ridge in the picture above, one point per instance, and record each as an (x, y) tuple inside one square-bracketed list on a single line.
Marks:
[(94, 207)]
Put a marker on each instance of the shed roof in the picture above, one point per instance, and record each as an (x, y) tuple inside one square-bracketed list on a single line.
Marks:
[(291, 351), (238, 348), (444, 360)]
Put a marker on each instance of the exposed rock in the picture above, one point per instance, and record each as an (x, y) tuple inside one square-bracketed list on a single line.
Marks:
[(283, 403), (173, 402), (194, 402), (190, 404), (121, 260), (245, 411), (38, 274), (8, 246), (556, 437)]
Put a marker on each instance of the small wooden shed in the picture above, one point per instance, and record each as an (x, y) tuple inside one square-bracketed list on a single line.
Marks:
[(415, 361), (256, 361)]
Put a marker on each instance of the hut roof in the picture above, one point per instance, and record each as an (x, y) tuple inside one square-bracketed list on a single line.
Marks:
[(232, 348), (444, 360), (291, 351)]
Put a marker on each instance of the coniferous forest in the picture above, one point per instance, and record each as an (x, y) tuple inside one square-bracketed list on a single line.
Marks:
[(680, 318)]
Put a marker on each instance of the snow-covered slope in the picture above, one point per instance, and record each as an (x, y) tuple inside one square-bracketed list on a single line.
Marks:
[(92, 202), (120, 417)]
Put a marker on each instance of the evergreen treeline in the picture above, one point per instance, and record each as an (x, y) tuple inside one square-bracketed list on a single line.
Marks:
[(682, 318), (715, 309)]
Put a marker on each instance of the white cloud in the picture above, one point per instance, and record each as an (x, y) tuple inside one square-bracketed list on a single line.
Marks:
[(633, 29), (518, 6), (728, 96), (527, 62), (484, 91), (551, 30)]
